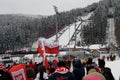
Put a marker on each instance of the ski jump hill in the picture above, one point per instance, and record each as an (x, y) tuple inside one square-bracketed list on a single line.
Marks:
[(66, 36)]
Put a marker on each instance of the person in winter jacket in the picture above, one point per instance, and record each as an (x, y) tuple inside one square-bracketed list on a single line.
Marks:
[(4, 75), (62, 73), (78, 70), (94, 75), (41, 75), (105, 70), (90, 64), (32, 65), (30, 73)]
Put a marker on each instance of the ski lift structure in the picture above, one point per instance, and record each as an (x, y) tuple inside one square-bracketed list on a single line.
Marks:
[(110, 12), (110, 15)]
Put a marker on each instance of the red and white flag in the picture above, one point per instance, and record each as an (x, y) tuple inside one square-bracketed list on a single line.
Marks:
[(42, 53), (51, 48), (39, 50)]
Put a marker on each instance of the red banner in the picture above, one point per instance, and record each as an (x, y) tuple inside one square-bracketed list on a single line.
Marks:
[(18, 72)]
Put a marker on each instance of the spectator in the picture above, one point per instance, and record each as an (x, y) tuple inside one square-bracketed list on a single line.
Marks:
[(30, 73), (41, 75), (90, 64), (3, 73), (62, 73), (105, 70), (79, 71), (112, 56), (93, 75), (31, 65)]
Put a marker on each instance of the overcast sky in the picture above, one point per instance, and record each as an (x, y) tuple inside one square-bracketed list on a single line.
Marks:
[(40, 7)]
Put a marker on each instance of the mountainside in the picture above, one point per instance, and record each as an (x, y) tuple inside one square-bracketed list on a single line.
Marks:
[(19, 31), (95, 32)]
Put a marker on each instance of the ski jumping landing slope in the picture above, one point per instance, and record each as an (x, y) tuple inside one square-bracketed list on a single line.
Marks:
[(69, 31)]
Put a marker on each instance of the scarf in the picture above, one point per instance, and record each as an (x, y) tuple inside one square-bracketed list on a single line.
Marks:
[(61, 70)]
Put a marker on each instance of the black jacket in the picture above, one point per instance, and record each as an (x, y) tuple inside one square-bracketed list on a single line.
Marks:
[(59, 76), (62, 76), (79, 71), (5, 75)]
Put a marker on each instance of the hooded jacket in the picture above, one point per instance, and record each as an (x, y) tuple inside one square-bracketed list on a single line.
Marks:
[(79, 71)]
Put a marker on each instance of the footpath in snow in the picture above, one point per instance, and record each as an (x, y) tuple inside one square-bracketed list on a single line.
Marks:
[(115, 68)]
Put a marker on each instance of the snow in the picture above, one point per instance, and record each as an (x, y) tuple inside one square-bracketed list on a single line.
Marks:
[(114, 65), (30, 56), (111, 29), (64, 39), (96, 46)]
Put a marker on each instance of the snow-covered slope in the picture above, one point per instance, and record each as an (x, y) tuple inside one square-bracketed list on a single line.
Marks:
[(65, 37), (111, 29)]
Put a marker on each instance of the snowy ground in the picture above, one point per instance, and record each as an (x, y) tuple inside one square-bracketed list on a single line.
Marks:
[(114, 65)]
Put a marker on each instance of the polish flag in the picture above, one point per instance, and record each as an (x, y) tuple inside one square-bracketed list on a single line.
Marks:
[(42, 53), (39, 49), (51, 47)]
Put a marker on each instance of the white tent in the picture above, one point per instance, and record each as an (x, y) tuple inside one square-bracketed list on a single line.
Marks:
[(96, 46)]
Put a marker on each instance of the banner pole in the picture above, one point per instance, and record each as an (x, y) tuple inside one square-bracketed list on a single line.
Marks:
[(44, 53)]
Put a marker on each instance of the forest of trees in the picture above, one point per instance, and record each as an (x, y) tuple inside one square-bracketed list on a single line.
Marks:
[(18, 31), (96, 33)]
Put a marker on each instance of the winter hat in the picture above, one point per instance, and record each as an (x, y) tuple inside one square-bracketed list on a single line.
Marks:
[(89, 61), (61, 63), (101, 63), (78, 64), (92, 70)]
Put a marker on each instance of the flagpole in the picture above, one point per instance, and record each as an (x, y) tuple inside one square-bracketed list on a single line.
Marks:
[(44, 53), (69, 43)]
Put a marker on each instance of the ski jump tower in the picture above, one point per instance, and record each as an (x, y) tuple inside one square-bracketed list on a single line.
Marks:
[(111, 39)]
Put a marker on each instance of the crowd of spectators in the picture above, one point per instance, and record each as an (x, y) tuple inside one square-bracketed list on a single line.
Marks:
[(58, 70)]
